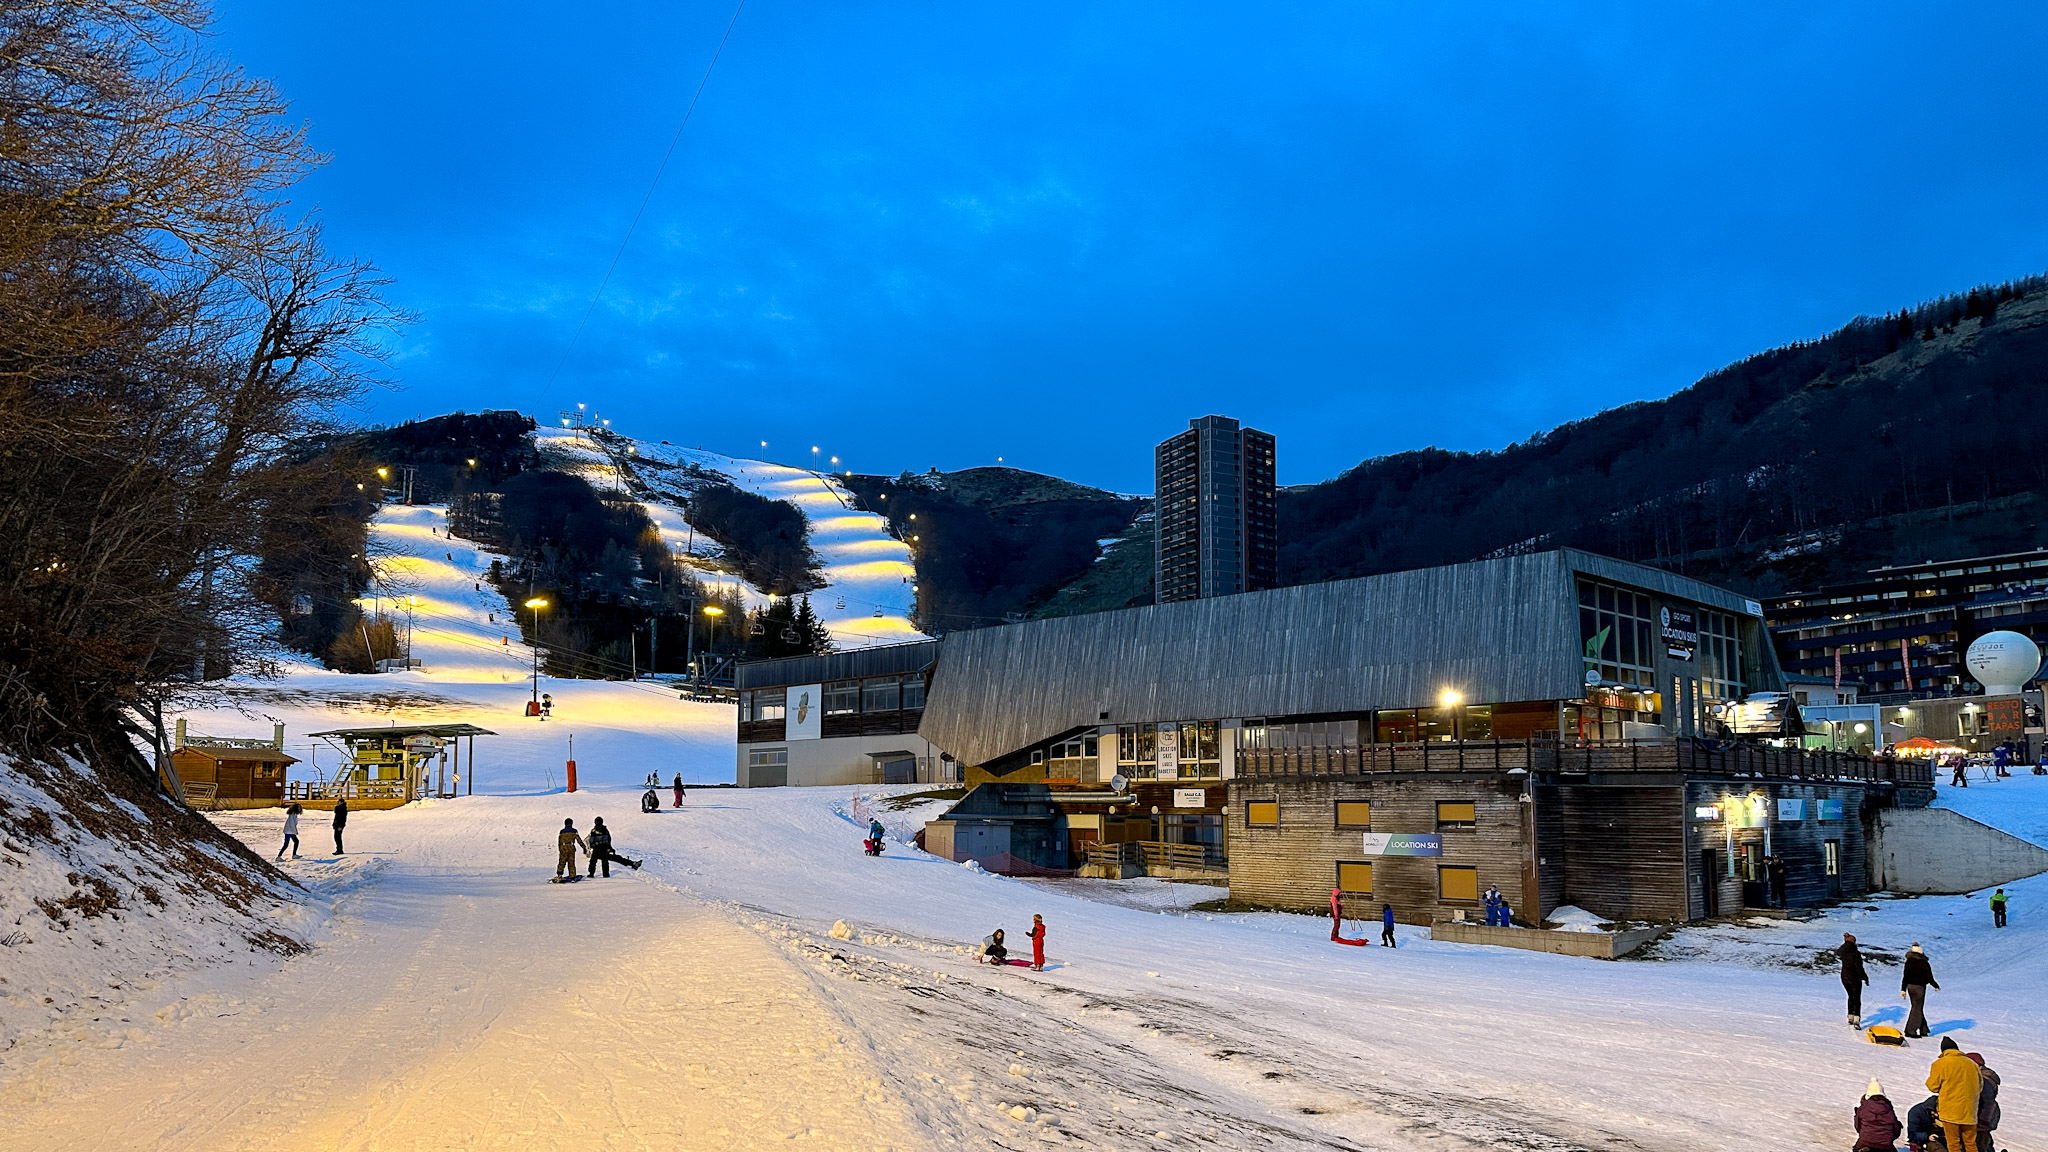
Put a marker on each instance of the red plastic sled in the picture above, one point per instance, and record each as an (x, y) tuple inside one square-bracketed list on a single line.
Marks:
[(1337, 922)]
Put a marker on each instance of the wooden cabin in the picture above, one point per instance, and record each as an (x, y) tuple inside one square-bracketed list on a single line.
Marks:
[(231, 772)]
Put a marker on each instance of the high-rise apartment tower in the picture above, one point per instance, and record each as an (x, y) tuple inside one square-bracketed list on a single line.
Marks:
[(1213, 527)]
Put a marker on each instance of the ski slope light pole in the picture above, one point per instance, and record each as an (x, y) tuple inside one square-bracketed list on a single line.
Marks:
[(535, 604)]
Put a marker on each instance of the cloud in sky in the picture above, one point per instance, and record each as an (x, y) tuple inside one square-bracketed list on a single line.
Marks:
[(934, 234)]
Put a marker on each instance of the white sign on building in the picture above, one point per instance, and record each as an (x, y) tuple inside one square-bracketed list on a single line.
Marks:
[(805, 704), (1167, 764), (1190, 798)]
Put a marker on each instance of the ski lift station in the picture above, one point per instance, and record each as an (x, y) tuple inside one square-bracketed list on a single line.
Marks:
[(391, 766)]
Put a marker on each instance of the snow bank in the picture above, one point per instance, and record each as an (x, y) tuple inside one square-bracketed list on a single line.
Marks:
[(1572, 918)]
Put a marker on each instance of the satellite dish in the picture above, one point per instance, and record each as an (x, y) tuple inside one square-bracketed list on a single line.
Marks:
[(1119, 783)]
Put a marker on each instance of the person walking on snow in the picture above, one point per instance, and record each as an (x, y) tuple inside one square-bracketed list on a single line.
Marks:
[(875, 834), (1877, 1124), (566, 844), (1957, 1084), (340, 822), (291, 832), (1854, 977), (1913, 986), (1387, 925), (679, 790), (601, 850), (1037, 935), (1987, 1102), (1998, 908)]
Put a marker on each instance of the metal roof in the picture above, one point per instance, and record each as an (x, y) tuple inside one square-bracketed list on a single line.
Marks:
[(882, 660), (407, 730)]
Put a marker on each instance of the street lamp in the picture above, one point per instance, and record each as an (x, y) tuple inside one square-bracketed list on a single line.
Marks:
[(536, 604)]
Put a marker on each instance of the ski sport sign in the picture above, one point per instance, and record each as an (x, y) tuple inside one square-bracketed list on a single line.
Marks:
[(1403, 844)]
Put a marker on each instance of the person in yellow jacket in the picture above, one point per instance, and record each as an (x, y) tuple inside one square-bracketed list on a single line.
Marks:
[(566, 844), (1956, 1082)]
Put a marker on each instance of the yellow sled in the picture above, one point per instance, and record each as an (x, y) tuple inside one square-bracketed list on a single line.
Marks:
[(1884, 1034)]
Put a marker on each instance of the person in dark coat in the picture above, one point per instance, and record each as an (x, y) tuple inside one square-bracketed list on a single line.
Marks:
[(1913, 986), (992, 949), (679, 790), (1877, 1125), (1922, 1129), (1987, 1102), (1854, 977), (601, 850), (567, 841), (340, 822), (1774, 871), (1387, 925)]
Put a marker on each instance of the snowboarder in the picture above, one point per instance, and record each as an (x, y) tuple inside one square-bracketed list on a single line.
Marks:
[(340, 822), (1998, 908), (992, 949), (601, 850), (1877, 1125), (679, 789), (566, 844), (1387, 925), (1854, 977), (291, 836), (1957, 1084), (1037, 935), (875, 834), (1913, 985)]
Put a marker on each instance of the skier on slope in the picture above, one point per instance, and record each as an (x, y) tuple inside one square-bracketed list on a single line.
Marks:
[(601, 850), (566, 844), (1037, 935), (1854, 977)]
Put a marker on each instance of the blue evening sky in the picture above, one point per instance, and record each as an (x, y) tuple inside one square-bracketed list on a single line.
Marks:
[(922, 234)]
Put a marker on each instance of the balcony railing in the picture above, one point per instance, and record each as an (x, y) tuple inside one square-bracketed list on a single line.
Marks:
[(1697, 757)]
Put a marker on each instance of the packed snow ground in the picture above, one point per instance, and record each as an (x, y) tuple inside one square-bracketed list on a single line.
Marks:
[(459, 1001)]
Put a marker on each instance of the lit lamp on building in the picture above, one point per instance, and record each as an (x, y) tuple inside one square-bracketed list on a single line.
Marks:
[(535, 605)]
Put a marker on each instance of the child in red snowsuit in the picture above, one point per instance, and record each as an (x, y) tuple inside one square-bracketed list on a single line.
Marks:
[(1037, 935)]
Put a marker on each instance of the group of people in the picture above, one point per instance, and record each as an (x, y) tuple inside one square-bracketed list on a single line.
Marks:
[(1498, 913), (1960, 1117), (1914, 982), (291, 827), (650, 800), (598, 847), (995, 952)]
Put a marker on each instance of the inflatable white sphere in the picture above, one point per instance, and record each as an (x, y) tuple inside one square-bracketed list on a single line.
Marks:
[(2003, 662)]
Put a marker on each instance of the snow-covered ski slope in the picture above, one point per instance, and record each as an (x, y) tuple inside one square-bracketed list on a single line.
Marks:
[(591, 1024), (475, 670), (870, 582)]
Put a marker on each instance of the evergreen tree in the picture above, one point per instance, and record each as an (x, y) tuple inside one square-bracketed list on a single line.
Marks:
[(810, 629)]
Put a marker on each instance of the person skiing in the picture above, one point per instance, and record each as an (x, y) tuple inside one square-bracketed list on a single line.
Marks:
[(875, 834), (1958, 1085), (1387, 925), (1037, 935), (340, 822), (1877, 1125), (679, 790), (601, 850), (1913, 986), (1854, 977), (992, 949), (566, 844), (291, 832), (1998, 908)]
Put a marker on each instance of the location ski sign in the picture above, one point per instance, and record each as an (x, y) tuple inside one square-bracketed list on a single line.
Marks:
[(1403, 844)]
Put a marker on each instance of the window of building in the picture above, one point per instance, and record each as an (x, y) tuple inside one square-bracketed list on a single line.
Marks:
[(881, 694), (1720, 657), (1457, 883), (1262, 814), (1074, 759), (1831, 856), (1452, 815), (762, 704), (1137, 749), (1395, 726), (1298, 734), (913, 691), (1354, 876), (1615, 633), (1197, 750), (768, 758), (842, 698), (1354, 814), (1477, 723)]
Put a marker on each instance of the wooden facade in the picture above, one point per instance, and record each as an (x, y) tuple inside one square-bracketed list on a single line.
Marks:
[(245, 774)]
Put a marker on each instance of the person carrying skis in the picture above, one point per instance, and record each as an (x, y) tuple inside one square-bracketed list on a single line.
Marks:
[(1387, 925), (1854, 977), (566, 844), (1958, 1085), (875, 834), (1913, 986), (679, 790), (601, 850), (1037, 935), (992, 949), (340, 822), (1998, 908), (291, 832), (1877, 1125)]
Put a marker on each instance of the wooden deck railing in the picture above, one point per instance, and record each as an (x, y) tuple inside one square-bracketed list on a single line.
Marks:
[(1617, 756)]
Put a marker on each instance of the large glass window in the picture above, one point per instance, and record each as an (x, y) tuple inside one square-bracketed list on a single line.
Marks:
[(1720, 657), (881, 694), (1615, 633), (762, 704), (1137, 749), (913, 690), (1298, 734), (1198, 755), (842, 698), (1075, 759)]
